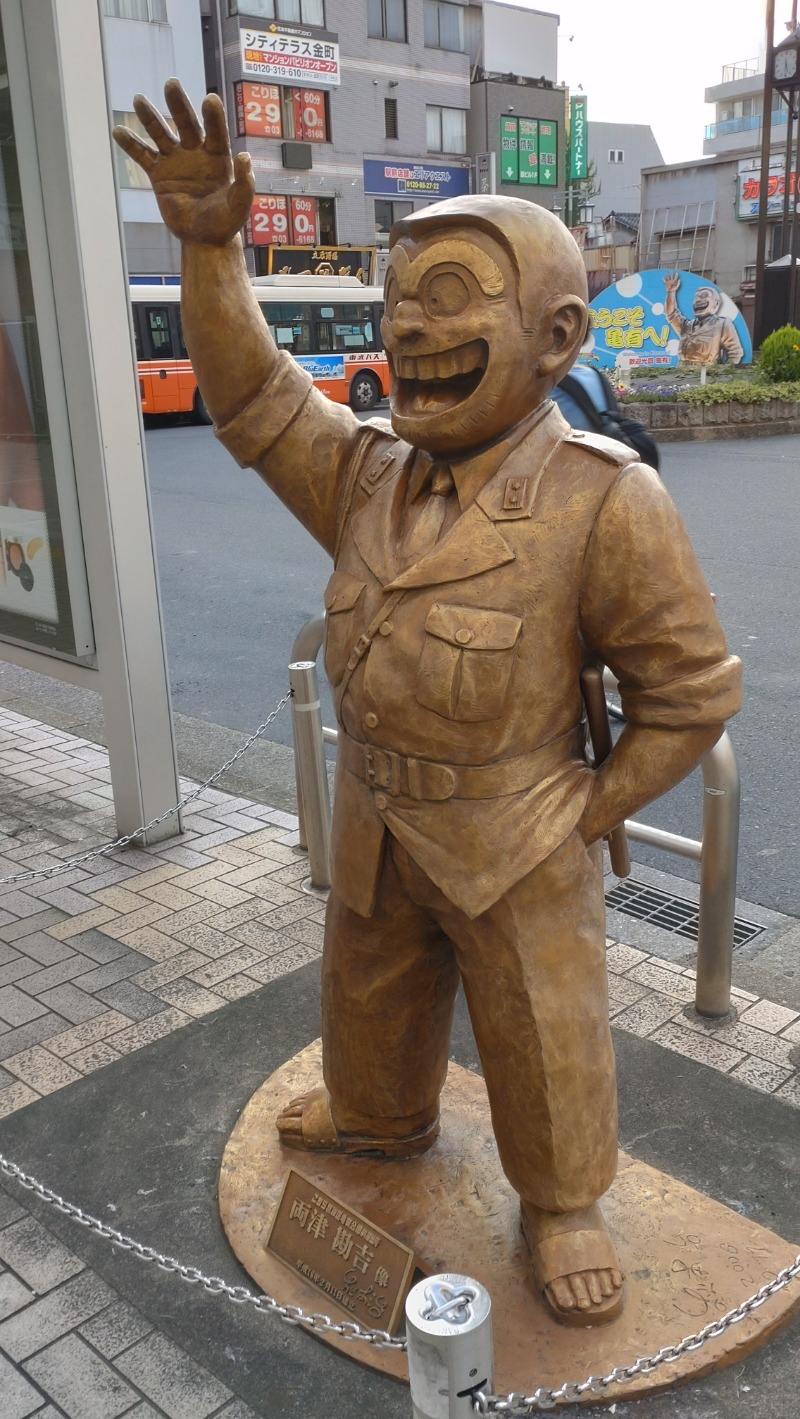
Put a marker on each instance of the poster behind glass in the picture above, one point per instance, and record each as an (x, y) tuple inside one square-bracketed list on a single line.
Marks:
[(34, 592)]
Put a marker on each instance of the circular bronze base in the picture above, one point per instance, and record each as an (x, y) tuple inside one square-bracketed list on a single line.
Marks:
[(687, 1259)]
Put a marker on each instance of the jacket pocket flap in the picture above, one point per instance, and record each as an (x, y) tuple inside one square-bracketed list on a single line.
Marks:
[(468, 626), (343, 591)]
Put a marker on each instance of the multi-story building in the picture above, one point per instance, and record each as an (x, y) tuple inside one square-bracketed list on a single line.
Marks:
[(617, 153)]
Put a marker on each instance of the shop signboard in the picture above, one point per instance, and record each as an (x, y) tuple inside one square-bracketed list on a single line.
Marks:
[(548, 153), (258, 110), (304, 221), (268, 223), (509, 149), (578, 163), (665, 318), (529, 151), (280, 55), (322, 261), (390, 177), (748, 189)]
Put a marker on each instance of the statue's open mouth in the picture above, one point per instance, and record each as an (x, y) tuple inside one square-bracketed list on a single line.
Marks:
[(431, 384)]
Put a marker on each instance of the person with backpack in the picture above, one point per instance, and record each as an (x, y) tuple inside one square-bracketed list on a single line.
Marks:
[(587, 401)]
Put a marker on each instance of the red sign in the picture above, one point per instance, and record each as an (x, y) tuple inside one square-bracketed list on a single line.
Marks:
[(269, 222), (304, 221), (258, 110), (311, 105)]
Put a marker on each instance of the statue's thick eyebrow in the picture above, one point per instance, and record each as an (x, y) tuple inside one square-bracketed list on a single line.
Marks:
[(486, 271)]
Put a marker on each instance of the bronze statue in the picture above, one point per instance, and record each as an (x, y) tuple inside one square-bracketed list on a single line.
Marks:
[(484, 553)]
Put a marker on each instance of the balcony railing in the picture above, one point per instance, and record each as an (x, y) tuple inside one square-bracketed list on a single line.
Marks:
[(742, 69), (744, 125)]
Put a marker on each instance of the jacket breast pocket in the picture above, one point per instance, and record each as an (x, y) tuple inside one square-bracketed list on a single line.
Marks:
[(341, 598), (466, 662)]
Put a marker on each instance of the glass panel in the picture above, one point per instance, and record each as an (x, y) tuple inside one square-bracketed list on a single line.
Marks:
[(383, 217), (126, 9), (289, 10), (158, 11), (451, 27), (259, 9), (396, 20), (431, 24), (374, 19), (159, 331), (313, 13), (324, 343), (34, 596), (454, 130), (129, 174), (326, 221), (433, 129)]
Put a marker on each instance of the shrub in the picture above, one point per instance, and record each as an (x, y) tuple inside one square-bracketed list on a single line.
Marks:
[(780, 355)]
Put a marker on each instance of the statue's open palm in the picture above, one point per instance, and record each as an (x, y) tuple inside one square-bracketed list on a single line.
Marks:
[(202, 194)]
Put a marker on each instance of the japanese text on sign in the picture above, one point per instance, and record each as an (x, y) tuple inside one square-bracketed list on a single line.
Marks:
[(285, 56)]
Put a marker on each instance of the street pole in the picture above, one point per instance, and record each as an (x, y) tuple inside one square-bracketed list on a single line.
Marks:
[(793, 247), (766, 134)]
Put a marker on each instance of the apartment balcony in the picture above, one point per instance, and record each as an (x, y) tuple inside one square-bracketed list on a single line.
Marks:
[(733, 134)]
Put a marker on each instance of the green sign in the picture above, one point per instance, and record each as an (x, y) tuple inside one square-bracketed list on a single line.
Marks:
[(548, 154), (509, 150), (529, 150), (578, 134)]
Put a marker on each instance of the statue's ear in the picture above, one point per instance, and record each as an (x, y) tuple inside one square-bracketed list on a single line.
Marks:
[(564, 319)]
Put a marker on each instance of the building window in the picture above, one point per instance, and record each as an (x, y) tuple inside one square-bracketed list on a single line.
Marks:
[(390, 118), (446, 130), (299, 12), (386, 214), (152, 10), (386, 19), (129, 174), (444, 25), (616, 155)]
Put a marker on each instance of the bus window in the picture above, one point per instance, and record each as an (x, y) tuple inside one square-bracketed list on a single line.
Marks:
[(182, 351), (353, 328), (137, 334), (159, 332)]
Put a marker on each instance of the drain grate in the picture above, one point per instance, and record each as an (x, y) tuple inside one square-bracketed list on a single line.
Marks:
[(674, 914)]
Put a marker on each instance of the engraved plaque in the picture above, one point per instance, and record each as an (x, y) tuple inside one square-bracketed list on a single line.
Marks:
[(351, 1261)]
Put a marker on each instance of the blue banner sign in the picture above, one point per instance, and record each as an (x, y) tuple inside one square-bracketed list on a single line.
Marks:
[(665, 318), (323, 366), (390, 177)]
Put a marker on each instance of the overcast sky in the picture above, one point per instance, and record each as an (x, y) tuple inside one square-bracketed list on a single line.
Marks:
[(643, 62)]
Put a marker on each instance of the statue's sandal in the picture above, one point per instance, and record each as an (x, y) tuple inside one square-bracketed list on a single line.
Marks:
[(320, 1135), (566, 1254)]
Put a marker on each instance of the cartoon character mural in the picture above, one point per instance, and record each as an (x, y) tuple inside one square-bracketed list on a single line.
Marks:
[(707, 337), (665, 318)]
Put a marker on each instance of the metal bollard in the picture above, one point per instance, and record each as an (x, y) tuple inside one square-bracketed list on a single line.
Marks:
[(306, 647), (721, 799), (449, 1333), (311, 772)]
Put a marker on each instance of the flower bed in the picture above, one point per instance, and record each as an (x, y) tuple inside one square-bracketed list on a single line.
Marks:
[(721, 408)]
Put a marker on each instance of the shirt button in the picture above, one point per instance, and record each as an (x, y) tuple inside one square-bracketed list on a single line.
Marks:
[(386, 628), (371, 720), (464, 637), (381, 802)]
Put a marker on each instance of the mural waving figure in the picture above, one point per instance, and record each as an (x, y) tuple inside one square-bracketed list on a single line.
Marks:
[(708, 337), (483, 555)]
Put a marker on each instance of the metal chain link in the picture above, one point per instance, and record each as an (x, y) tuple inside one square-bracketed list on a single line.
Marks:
[(239, 1295), (36, 875), (571, 1391)]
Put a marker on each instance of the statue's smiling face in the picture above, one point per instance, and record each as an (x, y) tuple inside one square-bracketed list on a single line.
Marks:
[(461, 365)]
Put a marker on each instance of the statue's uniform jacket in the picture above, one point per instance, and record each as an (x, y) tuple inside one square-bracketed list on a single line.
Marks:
[(565, 552)]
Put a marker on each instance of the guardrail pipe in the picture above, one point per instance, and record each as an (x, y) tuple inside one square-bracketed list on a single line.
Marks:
[(449, 1332), (306, 647), (721, 805), (313, 798)]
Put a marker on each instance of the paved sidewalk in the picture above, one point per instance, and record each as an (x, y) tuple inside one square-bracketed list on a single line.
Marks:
[(104, 960)]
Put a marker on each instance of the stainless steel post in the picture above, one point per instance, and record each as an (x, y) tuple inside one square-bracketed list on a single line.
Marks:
[(310, 767), (306, 647), (721, 799), (449, 1331)]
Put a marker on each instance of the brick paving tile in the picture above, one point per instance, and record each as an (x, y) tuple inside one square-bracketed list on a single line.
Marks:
[(15, 1041), (129, 998), (115, 1329), (622, 991), (16, 970), (737, 992), (169, 970), (36, 1256), (275, 894), (292, 873), (254, 871), (307, 933), (166, 894), (236, 856), (153, 944), (8, 953), (17, 1008), (52, 976), (768, 1016), (79, 1382), (41, 1070), (56, 1314), (773, 1048), (206, 939), (646, 1015), (148, 1030), (209, 840), (281, 965), (173, 1381), (790, 1091), (189, 996), (161, 874), (684, 1041), (121, 899), (44, 949), (665, 982), (89, 1033), (260, 937), (73, 1003), (148, 914), (93, 1057), (237, 916), (174, 922), (98, 946), (292, 911), (237, 1410), (21, 904), (13, 1295), (15, 1097), (185, 857), (127, 964), (234, 988), (10, 1210), (190, 880), (211, 972), (792, 1033), (20, 1399), (760, 1074), (221, 893), (66, 899), (84, 921)]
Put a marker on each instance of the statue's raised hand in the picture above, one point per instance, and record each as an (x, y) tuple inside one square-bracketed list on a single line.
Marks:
[(202, 194)]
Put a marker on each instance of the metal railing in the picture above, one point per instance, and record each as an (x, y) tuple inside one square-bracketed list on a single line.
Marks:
[(716, 852)]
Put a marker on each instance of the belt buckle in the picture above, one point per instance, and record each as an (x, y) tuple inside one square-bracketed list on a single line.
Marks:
[(381, 770)]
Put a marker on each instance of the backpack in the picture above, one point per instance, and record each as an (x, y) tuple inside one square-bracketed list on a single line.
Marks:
[(610, 419)]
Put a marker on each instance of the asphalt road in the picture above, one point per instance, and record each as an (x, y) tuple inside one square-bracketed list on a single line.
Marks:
[(240, 578)]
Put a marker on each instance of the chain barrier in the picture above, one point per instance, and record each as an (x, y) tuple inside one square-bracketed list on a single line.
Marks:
[(516, 1403), (572, 1391), (238, 1295), (107, 848)]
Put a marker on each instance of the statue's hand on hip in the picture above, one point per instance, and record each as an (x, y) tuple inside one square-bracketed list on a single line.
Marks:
[(203, 195)]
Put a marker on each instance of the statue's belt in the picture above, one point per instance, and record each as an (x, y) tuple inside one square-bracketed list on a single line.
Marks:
[(423, 780)]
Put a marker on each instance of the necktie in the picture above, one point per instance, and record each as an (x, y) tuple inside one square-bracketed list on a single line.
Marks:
[(423, 533)]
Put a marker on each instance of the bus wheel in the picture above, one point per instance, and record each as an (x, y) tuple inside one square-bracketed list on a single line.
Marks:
[(364, 391), (201, 413)]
